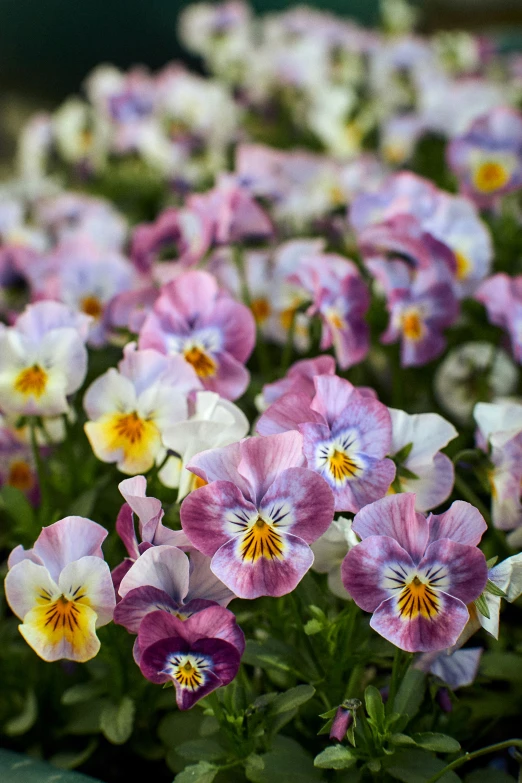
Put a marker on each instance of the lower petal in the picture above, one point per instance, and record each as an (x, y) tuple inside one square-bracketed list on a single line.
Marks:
[(59, 631), (421, 633), (252, 578)]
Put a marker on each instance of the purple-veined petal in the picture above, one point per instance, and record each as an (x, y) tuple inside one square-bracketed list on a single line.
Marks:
[(420, 634), (462, 522), (89, 578), (458, 569), (300, 501), (164, 567), (394, 516), (276, 576), (287, 413), (139, 602), (374, 569), (332, 396), (212, 515), (220, 465), (264, 458), (214, 622)]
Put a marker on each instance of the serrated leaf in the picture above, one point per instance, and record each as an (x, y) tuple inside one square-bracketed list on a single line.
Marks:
[(291, 699), (25, 720), (440, 743), (374, 706), (117, 721), (481, 606), (411, 693), (203, 772), (201, 750), (335, 757)]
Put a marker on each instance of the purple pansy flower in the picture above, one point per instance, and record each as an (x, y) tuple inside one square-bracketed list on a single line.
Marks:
[(501, 295), (259, 513), (197, 655), (214, 333), (415, 574), (346, 434)]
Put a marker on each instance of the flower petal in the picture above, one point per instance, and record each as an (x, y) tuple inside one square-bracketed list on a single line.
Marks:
[(89, 581), (164, 567), (462, 522), (264, 458), (394, 516), (67, 540), (458, 569), (27, 585), (139, 602)]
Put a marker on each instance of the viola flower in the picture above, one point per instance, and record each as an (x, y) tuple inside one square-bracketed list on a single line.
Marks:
[(258, 514), (418, 316), (415, 574), (72, 216), (341, 299), (502, 297), (456, 670), (213, 422), (86, 279), (329, 552), (130, 409), (43, 359), (164, 578), (178, 238), (299, 378), (487, 158), (507, 577), (213, 333), (421, 467), (197, 655), (62, 590), (346, 435), (500, 434), (470, 373), (17, 467)]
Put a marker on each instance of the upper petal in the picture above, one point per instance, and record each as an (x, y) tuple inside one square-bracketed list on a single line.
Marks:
[(462, 522), (164, 567), (264, 458), (394, 516), (67, 540)]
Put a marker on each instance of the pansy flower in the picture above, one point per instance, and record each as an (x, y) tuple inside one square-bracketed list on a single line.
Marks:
[(62, 590), (299, 378), (487, 158), (17, 468), (43, 359), (197, 655), (329, 552), (346, 436), (456, 670), (415, 574), (258, 514), (421, 466), (212, 332), (130, 408), (501, 295), (164, 578)]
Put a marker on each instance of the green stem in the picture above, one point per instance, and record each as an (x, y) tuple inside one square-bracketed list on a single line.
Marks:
[(306, 638), (42, 480), (472, 497), (401, 663), (517, 743)]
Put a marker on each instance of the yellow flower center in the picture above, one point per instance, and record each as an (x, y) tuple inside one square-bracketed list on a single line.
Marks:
[(342, 466), (91, 305), (86, 140), (261, 309), (335, 320), (463, 265), (261, 540), (189, 675), (202, 363), (412, 325), (418, 598), (32, 380), (490, 176), (20, 476), (128, 428)]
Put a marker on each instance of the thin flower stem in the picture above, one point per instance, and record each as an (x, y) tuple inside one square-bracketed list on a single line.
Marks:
[(517, 743), (42, 481), (401, 663)]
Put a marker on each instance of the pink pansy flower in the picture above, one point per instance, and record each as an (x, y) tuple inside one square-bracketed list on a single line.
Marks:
[(129, 409), (164, 578), (62, 590), (75, 215), (197, 655), (347, 434), (212, 332), (415, 574), (129, 309), (43, 359), (259, 513), (299, 378), (502, 297), (178, 238), (421, 466), (86, 278), (341, 299), (487, 158)]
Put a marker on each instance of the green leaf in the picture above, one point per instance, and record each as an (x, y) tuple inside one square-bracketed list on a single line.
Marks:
[(84, 691), (254, 765), (335, 757), (440, 743), (17, 506), (491, 562), (292, 699), (411, 693), (312, 627), (71, 759), (403, 453), (25, 720), (415, 766), (502, 666), (482, 606), (117, 721), (406, 473), (492, 588), (402, 740), (201, 750), (288, 762), (203, 772), (374, 707)]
